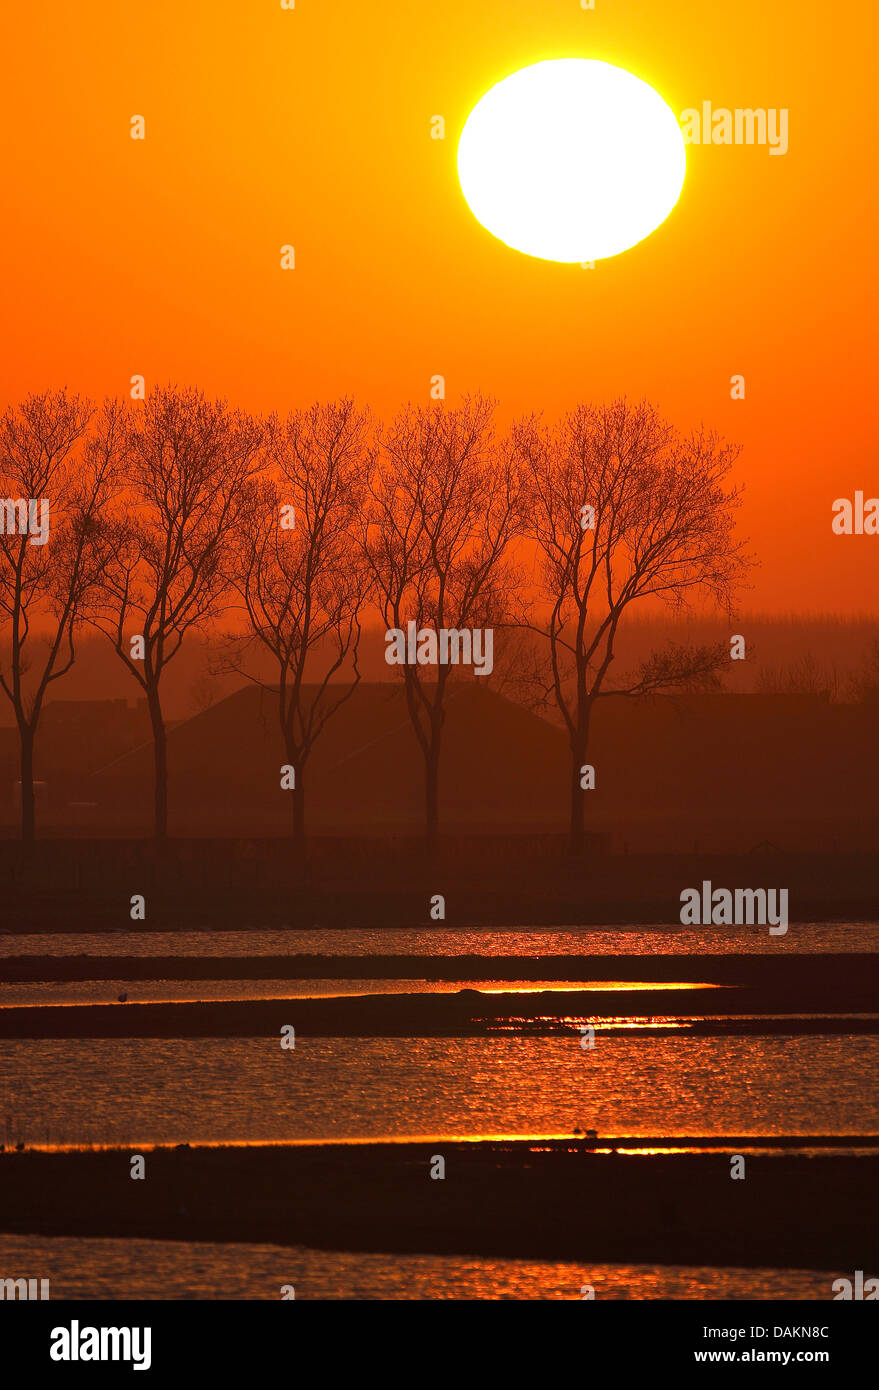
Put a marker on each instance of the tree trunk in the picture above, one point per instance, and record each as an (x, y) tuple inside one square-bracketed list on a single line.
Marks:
[(26, 763), (160, 764), (299, 840), (579, 747), (431, 798), (577, 833)]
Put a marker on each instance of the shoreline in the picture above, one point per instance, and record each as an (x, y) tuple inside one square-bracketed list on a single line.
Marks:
[(467, 1013)]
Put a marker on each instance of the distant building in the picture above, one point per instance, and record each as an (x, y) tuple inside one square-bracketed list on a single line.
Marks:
[(671, 772)]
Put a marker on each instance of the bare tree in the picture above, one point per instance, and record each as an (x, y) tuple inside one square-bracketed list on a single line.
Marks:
[(54, 496), (299, 571), (623, 510), (188, 461), (442, 512)]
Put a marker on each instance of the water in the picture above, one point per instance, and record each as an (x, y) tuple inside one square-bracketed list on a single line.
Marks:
[(134, 1092), (110, 1269), (169, 1090), (802, 938)]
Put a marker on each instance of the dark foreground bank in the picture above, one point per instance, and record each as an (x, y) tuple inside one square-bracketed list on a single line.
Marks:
[(790, 974), (545, 1199), (87, 884), (464, 1013)]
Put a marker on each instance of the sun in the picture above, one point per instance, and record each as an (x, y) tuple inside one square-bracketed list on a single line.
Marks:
[(571, 160)]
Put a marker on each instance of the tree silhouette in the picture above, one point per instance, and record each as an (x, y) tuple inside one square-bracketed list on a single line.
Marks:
[(187, 462), (298, 570), (46, 580), (441, 515), (623, 510)]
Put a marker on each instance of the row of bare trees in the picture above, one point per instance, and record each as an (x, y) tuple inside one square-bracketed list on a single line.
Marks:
[(170, 515)]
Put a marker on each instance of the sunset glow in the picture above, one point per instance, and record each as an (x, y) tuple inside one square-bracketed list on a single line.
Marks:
[(439, 676)]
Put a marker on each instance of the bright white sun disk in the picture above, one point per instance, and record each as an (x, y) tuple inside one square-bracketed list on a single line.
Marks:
[(571, 160)]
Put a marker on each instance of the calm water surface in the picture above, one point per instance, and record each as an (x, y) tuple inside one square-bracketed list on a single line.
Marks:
[(109, 1269), (151, 1090), (808, 937)]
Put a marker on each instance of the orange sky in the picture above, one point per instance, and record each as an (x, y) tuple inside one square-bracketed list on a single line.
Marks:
[(312, 127)]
